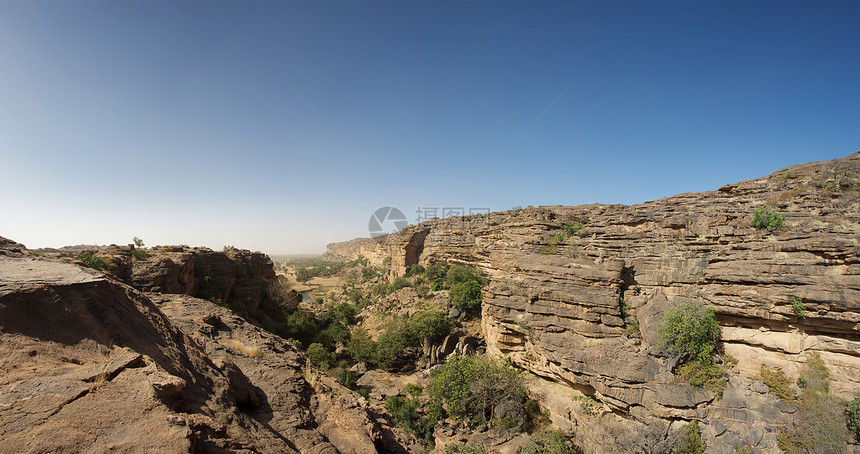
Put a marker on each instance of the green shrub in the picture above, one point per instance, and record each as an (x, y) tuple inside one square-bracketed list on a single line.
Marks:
[(797, 307), (138, 254), (422, 290), (301, 325), (363, 393), (777, 383), (414, 390), (399, 283), (354, 295), (392, 342), (91, 261), (431, 325), (343, 312), (336, 332), (360, 347), (689, 328), (319, 356), (459, 273), (788, 174), (573, 228), (380, 289), (482, 391), (405, 413), (548, 249), (414, 270), (689, 440), (854, 417), (548, 442), (466, 295), (435, 271), (348, 379), (535, 416), (767, 218)]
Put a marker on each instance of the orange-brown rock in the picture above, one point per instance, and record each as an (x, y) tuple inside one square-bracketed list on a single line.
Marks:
[(90, 364), (557, 309)]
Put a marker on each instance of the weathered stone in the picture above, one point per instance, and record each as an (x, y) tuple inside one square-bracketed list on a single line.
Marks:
[(560, 315)]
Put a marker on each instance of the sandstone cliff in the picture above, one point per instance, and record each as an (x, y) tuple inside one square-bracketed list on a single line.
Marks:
[(556, 309)]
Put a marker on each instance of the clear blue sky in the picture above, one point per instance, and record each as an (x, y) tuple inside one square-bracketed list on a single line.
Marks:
[(281, 126)]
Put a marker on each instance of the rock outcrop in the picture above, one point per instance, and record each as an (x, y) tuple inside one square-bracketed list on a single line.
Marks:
[(568, 310), (236, 276), (92, 365)]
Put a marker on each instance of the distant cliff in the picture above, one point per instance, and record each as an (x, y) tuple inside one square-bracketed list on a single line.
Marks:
[(564, 302)]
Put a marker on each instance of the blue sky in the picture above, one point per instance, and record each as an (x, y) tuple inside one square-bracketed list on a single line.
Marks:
[(281, 126)]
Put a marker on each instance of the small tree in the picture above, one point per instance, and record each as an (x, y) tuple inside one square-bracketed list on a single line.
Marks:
[(689, 328), (466, 295), (138, 243), (482, 391)]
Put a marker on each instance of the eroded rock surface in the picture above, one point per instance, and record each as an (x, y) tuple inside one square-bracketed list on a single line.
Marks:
[(557, 309), (88, 364)]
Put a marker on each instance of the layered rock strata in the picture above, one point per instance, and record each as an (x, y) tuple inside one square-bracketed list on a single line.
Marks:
[(567, 310)]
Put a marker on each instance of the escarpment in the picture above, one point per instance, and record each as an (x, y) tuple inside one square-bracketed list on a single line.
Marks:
[(577, 294)]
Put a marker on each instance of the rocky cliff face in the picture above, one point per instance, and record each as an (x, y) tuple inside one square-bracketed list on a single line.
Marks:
[(90, 364), (556, 309), (238, 277)]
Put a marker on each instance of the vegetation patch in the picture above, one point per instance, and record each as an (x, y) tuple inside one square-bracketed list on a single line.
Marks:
[(767, 217), (548, 442), (483, 392), (797, 307), (691, 330), (689, 440), (787, 175), (588, 405), (704, 373), (777, 383), (574, 228), (838, 177), (821, 427), (91, 261), (853, 411)]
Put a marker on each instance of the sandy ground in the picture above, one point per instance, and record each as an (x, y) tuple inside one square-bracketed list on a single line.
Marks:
[(317, 284)]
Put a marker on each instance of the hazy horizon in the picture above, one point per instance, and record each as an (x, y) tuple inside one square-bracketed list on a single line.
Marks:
[(281, 126)]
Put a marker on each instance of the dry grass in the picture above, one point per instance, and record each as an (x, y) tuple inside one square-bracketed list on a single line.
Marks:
[(777, 383), (247, 350)]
